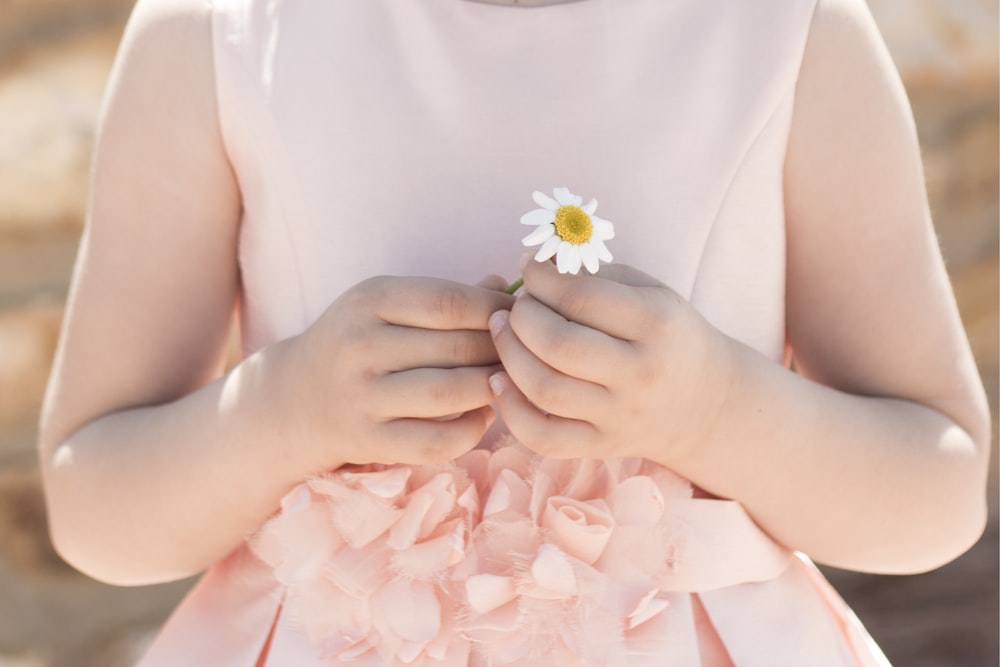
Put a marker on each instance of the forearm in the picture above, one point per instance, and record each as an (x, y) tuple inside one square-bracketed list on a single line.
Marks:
[(857, 482), (157, 493)]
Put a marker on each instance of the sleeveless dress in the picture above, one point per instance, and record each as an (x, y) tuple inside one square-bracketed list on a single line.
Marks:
[(406, 137)]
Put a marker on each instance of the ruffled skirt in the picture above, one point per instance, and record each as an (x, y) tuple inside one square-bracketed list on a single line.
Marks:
[(506, 558)]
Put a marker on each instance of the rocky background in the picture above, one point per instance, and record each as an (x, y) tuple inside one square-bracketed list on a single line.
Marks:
[(54, 60)]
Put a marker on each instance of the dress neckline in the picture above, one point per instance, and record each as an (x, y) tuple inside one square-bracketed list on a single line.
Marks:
[(524, 3)]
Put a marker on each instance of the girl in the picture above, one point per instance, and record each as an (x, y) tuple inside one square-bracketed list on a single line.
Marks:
[(268, 158)]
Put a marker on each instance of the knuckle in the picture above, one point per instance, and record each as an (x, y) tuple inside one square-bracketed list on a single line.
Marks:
[(451, 305), (574, 302), (646, 375), (464, 349), (373, 286), (557, 346), (546, 393), (443, 392)]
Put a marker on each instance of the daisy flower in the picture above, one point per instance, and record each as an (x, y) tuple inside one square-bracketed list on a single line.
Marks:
[(570, 231)]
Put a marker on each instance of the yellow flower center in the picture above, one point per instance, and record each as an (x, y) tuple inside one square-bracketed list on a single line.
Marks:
[(573, 225)]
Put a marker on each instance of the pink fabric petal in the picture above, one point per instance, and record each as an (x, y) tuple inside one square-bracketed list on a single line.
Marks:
[(298, 542), (297, 499), (648, 607), (382, 483), (408, 652), (327, 614), (359, 572), (405, 532), (486, 592), (510, 492), (408, 610), (553, 573), (429, 559), (442, 492), (362, 517)]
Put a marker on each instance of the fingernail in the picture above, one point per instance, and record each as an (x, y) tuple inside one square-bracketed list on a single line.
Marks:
[(496, 384), (523, 262), (497, 321)]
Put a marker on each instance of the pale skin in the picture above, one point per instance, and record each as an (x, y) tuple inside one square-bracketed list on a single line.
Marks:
[(872, 456)]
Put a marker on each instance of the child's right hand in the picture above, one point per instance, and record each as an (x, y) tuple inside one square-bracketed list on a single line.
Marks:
[(396, 371)]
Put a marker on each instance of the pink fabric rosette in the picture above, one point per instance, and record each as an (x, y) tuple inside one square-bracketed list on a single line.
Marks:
[(565, 565)]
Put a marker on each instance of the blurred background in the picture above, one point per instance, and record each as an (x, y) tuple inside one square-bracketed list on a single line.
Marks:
[(54, 59)]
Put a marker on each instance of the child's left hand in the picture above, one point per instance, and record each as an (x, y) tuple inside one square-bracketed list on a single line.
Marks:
[(609, 365)]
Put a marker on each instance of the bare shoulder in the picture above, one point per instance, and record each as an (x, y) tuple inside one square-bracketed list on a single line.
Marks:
[(850, 101), (166, 17)]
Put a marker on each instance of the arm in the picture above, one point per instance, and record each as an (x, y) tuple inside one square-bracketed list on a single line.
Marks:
[(873, 456), (154, 465)]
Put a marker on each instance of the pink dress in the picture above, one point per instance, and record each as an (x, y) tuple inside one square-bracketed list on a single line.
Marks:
[(405, 137)]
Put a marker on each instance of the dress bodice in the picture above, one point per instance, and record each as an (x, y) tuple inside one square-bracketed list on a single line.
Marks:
[(405, 138)]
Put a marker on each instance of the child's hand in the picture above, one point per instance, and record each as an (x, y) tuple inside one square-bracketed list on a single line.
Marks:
[(396, 371), (614, 364)]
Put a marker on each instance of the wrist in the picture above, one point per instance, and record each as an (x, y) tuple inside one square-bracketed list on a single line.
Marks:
[(291, 401)]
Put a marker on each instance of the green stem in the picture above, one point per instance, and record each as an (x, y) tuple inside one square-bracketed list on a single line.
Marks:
[(514, 286)]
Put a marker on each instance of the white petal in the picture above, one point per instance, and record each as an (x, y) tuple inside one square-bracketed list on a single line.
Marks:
[(540, 234), (564, 256), (603, 229), (602, 250), (539, 216), (565, 197), (590, 207), (589, 255), (548, 248), (577, 261), (544, 200)]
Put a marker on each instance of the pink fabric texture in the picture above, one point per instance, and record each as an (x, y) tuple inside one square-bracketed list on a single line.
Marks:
[(405, 137), (506, 558)]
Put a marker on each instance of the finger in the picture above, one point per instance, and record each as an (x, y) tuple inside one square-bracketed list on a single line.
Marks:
[(431, 303), (615, 308), (407, 347), (569, 347), (421, 441), (493, 282), (547, 434), (432, 392), (627, 275), (549, 389)]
